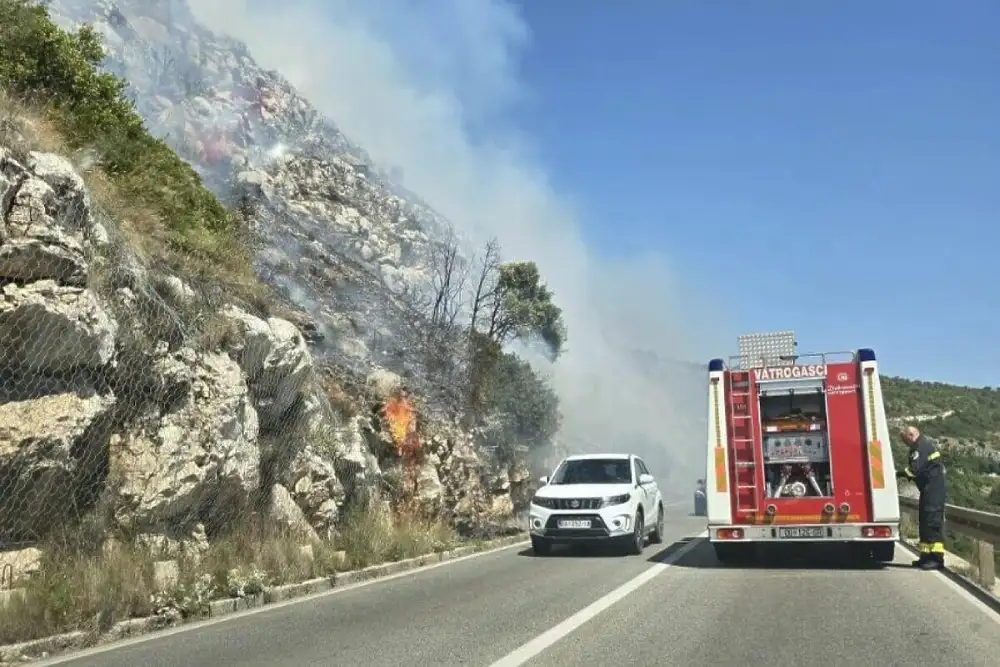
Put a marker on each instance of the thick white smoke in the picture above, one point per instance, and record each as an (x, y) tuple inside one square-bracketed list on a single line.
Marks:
[(425, 88)]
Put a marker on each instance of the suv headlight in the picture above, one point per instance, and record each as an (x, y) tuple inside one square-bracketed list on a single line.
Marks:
[(542, 502), (611, 501)]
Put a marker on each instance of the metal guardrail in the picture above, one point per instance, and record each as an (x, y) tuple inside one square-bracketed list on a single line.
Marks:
[(982, 527)]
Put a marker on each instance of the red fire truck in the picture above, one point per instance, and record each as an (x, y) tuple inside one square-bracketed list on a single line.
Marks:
[(798, 451)]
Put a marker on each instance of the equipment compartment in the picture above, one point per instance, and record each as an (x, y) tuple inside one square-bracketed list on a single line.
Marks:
[(796, 443)]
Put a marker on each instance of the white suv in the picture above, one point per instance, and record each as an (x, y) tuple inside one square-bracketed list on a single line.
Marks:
[(597, 497)]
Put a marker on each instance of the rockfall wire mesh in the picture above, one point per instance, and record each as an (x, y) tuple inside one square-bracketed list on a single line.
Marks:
[(129, 398)]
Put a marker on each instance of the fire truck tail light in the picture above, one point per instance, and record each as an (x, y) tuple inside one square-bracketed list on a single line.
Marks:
[(876, 531), (730, 534)]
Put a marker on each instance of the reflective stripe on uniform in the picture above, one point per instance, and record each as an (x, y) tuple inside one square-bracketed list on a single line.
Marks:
[(935, 548), (925, 548), (933, 456)]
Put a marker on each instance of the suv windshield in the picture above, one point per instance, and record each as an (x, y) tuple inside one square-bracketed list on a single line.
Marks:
[(593, 471)]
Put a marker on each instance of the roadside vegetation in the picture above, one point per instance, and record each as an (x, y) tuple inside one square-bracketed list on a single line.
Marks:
[(88, 580)]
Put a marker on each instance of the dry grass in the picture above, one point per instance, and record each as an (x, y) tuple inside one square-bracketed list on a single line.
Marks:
[(78, 589), (81, 586), (379, 536)]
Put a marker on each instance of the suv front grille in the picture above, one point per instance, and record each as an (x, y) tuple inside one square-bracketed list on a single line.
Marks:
[(576, 503)]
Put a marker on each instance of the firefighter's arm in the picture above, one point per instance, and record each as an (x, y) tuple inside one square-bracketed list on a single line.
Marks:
[(907, 471)]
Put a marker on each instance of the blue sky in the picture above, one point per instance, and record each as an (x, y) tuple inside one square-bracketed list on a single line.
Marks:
[(840, 161)]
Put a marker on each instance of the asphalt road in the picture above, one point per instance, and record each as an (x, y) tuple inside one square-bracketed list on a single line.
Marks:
[(675, 605)]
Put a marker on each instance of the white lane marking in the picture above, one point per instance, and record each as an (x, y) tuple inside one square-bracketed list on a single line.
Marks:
[(957, 588), (526, 652), (969, 597), (198, 625)]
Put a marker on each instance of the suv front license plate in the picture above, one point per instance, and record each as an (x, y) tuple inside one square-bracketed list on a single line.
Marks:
[(574, 523), (802, 532)]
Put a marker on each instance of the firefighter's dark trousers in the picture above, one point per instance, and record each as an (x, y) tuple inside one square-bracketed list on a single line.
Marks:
[(931, 518)]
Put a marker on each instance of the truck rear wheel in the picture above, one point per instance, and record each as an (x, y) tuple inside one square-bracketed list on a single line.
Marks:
[(733, 554)]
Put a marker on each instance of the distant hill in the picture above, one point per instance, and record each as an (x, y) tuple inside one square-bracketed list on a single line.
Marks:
[(965, 421), (965, 416)]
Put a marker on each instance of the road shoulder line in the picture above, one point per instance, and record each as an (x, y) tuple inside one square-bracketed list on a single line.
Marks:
[(967, 590), (70, 646)]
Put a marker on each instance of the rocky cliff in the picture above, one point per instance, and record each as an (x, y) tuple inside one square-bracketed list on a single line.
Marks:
[(108, 401), (345, 248), (96, 401)]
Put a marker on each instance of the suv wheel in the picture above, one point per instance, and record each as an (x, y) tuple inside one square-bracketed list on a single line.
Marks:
[(656, 537), (540, 546), (637, 541)]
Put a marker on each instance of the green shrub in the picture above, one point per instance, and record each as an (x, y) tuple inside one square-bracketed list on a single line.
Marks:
[(57, 73)]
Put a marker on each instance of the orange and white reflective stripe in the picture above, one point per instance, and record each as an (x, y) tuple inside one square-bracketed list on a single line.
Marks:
[(875, 459), (874, 447), (721, 478)]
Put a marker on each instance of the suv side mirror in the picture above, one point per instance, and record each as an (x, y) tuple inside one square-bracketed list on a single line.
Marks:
[(544, 479), (645, 478)]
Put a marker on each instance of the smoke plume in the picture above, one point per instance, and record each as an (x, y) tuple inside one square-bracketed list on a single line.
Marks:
[(427, 89)]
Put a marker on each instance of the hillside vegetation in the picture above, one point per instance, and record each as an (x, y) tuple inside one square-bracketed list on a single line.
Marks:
[(963, 416), (965, 421), (170, 215)]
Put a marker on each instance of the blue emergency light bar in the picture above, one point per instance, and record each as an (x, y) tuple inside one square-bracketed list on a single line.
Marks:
[(864, 354)]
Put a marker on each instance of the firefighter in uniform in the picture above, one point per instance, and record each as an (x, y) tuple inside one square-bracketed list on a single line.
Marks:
[(926, 468)]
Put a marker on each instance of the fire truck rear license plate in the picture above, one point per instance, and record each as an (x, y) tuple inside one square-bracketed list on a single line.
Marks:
[(574, 523), (801, 532)]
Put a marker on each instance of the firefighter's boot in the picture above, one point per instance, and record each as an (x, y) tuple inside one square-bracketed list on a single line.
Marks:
[(933, 556), (931, 564), (932, 561)]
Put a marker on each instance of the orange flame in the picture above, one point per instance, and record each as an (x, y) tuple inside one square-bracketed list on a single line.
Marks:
[(401, 418)]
